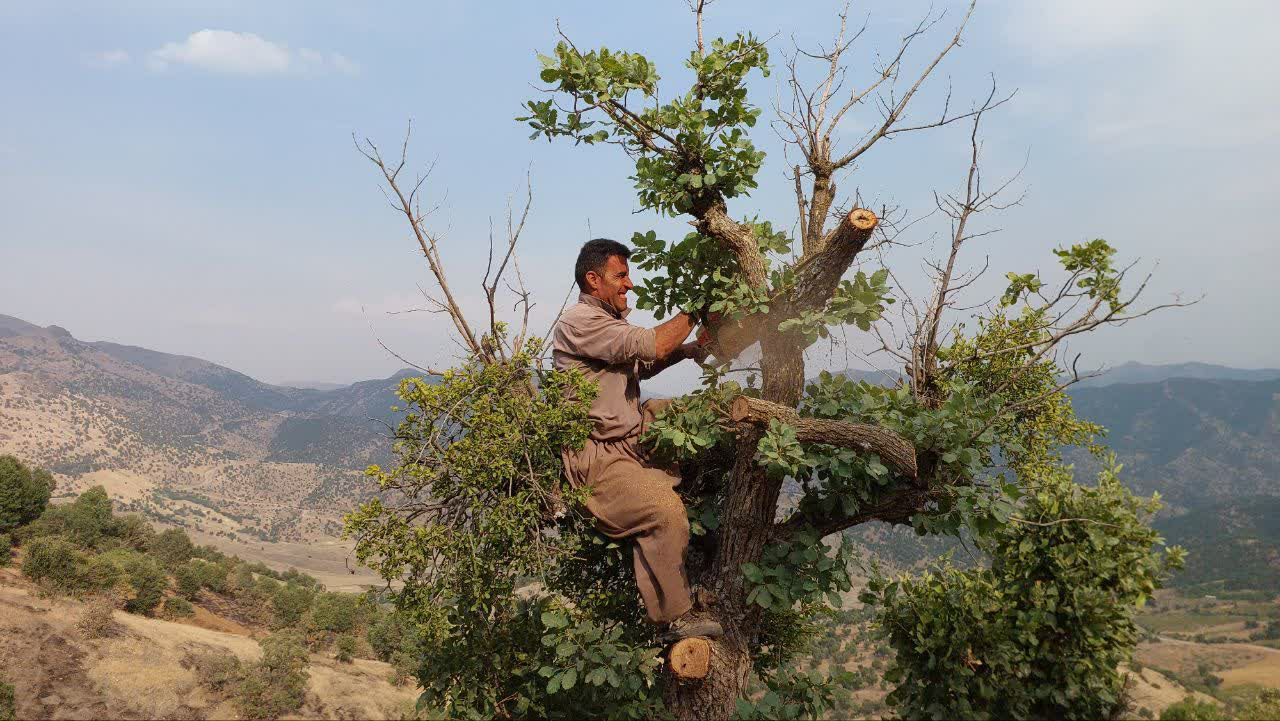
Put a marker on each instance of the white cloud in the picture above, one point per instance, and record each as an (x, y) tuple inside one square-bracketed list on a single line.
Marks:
[(108, 59), (1160, 72), (225, 51)]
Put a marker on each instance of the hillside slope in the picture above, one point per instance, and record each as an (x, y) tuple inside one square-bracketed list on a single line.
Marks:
[(1195, 441), (145, 670), (191, 443)]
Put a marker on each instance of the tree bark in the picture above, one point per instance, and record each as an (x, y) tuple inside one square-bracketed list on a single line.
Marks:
[(817, 276), (896, 452), (747, 521)]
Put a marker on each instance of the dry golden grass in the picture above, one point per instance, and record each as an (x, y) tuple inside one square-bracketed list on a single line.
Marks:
[(140, 671)]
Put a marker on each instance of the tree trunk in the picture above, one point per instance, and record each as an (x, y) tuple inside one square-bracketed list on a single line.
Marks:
[(746, 526)]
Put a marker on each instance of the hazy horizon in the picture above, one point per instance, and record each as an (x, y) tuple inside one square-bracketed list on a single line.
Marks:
[(183, 178)]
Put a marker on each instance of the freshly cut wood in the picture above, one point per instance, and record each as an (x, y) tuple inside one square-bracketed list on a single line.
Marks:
[(894, 450), (690, 659)]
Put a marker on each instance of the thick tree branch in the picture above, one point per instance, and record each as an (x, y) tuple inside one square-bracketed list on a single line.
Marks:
[(817, 277), (894, 450)]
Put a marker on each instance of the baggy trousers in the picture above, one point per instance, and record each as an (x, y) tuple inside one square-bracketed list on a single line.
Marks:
[(631, 498)]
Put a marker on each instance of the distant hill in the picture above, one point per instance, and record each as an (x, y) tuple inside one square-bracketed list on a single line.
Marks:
[(1197, 442), (186, 440), (1235, 544), (1133, 372)]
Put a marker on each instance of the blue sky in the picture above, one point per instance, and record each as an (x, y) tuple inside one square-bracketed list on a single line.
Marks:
[(197, 192)]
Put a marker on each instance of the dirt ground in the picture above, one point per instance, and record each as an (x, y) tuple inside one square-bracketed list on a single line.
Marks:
[(139, 671)]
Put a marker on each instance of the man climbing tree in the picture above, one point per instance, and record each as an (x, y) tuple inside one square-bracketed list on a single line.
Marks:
[(629, 495), (525, 611)]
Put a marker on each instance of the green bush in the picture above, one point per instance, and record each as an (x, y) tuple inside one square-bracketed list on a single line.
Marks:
[(7, 710), (6, 549), (290, 603), (87, 522), (345, 648), (335, 612), (131, 532), (1266, 707), (213, 575), (277, 684), (391, 634), (101, 573), (242, 580), (54, 563), (148, 581), (1189, 709), (178, 607), (217, 671), (24, 493), (1043, 630), (172, 548), (298, 578), (187, 580)]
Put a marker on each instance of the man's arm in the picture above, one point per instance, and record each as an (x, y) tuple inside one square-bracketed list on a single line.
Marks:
[(671, 348), (671, 334)]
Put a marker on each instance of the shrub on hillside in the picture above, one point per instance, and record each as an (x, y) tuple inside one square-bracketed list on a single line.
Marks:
[(24, 493), (97, 618), (1189, 709), (345, 649), (131, 531), (101, 573), (1266, 706), (87, 522), (148, 582), (172, 548), (213, 575), (241, 580), (178, 607), (217, 671), (6, 549), (334, 612), (187, 580), (298, 578), (277, 684), (289, 604), (7, 710), (55, 563), (391, 634)]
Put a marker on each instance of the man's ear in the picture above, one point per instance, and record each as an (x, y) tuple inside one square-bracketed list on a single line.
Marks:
[(593, 281)]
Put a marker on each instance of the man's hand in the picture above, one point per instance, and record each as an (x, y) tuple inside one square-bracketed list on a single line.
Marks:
[(696, 351)]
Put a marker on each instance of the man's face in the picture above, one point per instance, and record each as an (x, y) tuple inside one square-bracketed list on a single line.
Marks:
[(612, 282)]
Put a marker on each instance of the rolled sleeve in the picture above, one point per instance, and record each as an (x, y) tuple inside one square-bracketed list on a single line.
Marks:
[(612, 340)]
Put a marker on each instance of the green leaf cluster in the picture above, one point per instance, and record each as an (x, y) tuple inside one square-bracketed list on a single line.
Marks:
[(1042, 632), (467, 520), (859, 302), (799, 570), (24, 493), (690, 150)]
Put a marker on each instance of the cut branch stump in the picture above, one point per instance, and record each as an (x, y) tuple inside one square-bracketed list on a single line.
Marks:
[(690, 659)]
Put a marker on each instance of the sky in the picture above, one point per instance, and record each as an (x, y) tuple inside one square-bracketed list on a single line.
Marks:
[(181, 175)]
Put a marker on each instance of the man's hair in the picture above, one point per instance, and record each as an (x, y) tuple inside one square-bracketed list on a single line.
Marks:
[(593, 256)]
